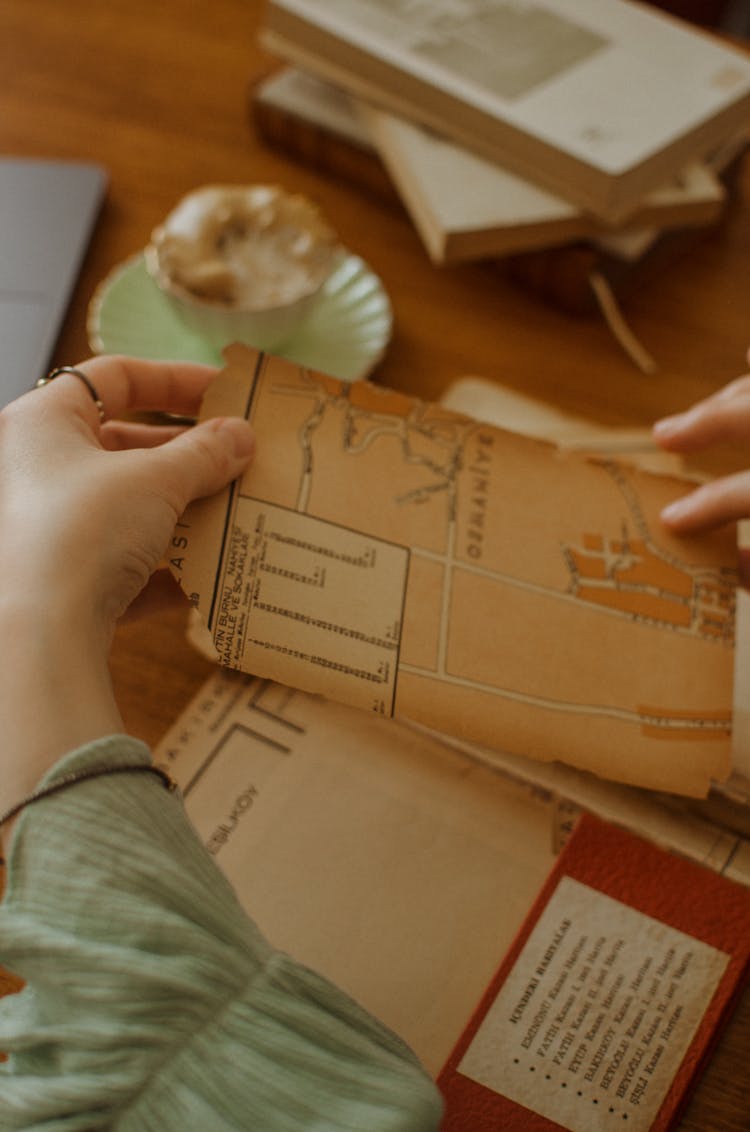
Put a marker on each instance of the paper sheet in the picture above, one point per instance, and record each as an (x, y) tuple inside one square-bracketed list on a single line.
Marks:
[(405, 559), (506, 408)]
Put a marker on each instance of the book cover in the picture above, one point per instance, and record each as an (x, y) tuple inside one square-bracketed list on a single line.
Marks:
[(607, 1005), (599, 106), (314, 121)]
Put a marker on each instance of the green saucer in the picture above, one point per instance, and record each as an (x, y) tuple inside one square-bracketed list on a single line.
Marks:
[(344, 335)]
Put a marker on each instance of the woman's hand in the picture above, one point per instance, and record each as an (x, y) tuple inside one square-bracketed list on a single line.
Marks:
[(86, 512), (93, 505), (723, 417)]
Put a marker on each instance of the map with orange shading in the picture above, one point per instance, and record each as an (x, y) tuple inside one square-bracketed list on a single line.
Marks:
[(628, 575), (388, 553)]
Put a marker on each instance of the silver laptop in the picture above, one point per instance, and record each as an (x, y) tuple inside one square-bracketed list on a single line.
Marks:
[(47, 214)]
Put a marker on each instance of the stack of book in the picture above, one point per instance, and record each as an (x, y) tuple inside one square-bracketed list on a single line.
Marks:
[(508, 126)]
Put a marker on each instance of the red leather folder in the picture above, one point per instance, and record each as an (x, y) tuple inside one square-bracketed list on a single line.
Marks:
[(604, 1011)]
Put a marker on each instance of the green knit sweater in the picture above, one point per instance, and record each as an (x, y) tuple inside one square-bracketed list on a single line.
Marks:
[(153, 1002)]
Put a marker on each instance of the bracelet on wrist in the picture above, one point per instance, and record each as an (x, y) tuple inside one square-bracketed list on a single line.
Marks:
[(84, 775)]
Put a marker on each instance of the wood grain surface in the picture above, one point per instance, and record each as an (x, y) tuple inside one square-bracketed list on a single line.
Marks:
[(158, 92)]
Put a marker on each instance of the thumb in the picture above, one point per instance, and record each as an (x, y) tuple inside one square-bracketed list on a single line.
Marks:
[(204, 459)]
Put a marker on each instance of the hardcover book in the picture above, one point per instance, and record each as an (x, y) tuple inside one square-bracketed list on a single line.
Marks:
[(314, 121), (467, 208), (598, 104), (464, 207)]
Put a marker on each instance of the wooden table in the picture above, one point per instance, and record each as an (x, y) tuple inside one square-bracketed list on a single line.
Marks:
[(158, 93)]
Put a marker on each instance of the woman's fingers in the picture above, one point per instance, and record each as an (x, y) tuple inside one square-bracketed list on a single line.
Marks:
[(722, 417), (128, 385), (722, 501), (725, 416), (135, 384), (200, 461), (117, 436), (123, 385)]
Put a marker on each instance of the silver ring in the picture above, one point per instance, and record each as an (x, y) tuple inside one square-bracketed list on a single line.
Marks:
[(81, 377)]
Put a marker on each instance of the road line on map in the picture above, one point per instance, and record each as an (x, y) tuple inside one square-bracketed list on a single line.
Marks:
[(625, 714)]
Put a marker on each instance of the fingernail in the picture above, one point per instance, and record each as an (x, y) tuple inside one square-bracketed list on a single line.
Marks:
[(239, 434), (674, 511), (668, 425)]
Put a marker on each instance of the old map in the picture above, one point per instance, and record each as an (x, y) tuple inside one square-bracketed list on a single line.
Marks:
[(408, 560)]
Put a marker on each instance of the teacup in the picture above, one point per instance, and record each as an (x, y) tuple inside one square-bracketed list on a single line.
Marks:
[(243, 263)]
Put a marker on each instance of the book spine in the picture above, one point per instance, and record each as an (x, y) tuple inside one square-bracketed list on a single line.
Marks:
[(322, 150)]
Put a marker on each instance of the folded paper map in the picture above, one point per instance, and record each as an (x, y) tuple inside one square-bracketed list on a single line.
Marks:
[(400, 557)]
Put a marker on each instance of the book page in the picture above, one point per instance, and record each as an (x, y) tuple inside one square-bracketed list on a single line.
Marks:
[(393, 555), (398, 867), (376, 856)]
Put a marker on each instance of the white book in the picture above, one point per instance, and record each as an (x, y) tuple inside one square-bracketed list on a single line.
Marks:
[(465, 207), (598, 101)]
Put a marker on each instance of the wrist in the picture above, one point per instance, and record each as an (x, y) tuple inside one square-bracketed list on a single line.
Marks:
[(55, 689)]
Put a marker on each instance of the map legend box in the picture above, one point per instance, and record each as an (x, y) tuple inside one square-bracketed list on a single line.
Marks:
[(310, 597)]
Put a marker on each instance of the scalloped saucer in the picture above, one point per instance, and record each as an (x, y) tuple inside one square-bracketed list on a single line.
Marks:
[(344, 335)]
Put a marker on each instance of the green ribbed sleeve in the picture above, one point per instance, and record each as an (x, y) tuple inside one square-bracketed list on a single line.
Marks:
[(153, 1002)]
